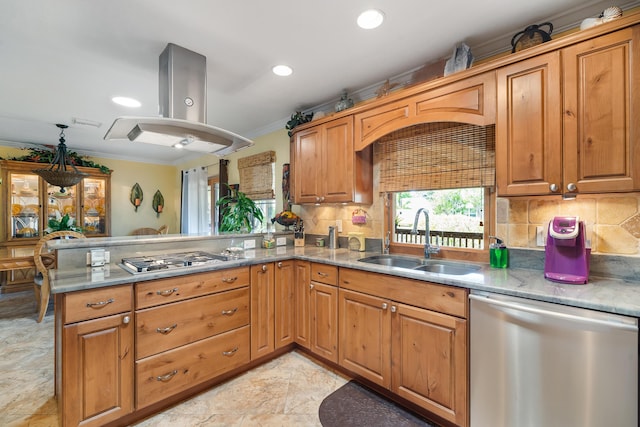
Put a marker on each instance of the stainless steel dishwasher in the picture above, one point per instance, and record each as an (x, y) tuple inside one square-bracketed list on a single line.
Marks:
[(537, 364)]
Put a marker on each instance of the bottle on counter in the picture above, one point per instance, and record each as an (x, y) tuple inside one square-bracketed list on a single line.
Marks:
[(498, 253)]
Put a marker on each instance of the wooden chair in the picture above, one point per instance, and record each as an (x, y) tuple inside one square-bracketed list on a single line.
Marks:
[(164, 229), (45, 260), (144, 231)]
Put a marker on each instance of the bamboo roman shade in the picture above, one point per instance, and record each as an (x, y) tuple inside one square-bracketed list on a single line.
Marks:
[(433, 156), (256, 175)]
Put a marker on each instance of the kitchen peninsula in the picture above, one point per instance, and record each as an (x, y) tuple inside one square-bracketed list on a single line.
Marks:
[(117, 333)]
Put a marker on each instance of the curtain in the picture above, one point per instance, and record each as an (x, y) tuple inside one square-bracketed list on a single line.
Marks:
[(194, 201)]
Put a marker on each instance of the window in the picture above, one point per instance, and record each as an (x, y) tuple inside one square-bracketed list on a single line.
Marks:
[(456, 217)]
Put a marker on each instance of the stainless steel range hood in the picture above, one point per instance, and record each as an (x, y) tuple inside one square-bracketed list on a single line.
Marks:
[(183, 110)]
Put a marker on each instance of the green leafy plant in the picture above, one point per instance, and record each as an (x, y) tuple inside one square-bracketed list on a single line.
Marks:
[(297, 119), (46, 156), (238, 212), (62, 223)]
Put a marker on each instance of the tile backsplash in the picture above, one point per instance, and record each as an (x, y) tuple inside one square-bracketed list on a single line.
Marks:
[(612, 221)]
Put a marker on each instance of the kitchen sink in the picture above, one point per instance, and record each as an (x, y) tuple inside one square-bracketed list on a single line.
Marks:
[(394, 261), (455, 270), (422, 264)]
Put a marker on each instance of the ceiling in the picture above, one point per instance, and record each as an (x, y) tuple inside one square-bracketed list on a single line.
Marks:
[(65, 60)]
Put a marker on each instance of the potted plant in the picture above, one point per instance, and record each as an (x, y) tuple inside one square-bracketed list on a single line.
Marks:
[(62, 223), (238, 212)]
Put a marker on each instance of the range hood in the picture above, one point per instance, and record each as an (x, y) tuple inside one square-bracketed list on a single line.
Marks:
[(183, 110)]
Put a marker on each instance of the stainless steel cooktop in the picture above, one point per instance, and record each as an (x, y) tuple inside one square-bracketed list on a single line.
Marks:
[(150, 263)]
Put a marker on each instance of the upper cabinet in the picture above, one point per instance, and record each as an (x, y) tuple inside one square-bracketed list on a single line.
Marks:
[(29, 203), (471, 100), (326, 169), (565, 119)]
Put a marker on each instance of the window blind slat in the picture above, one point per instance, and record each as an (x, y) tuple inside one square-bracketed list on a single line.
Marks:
[(256, 175), (434, 156)]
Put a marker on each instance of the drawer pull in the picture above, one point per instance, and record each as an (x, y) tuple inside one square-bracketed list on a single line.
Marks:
[(229, 312), (229, 279), (100, 303), (264, 268), (167, 330), (321, 274), (166, 377), (230, 352), (167, 292)]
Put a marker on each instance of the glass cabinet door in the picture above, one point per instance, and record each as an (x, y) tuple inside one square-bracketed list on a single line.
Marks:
[(60, 204), (25, 205), (93, 206)]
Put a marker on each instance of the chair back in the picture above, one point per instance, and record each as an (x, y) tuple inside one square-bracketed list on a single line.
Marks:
[(144, 231), (45, 260), (163, 229)]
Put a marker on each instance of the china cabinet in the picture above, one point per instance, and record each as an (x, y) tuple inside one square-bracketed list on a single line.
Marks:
[(30, 203)]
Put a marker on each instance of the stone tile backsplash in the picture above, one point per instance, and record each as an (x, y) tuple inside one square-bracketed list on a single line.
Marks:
[(612, 221)]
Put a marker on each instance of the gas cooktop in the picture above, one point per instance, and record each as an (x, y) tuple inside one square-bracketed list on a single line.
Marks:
[(145, 264)]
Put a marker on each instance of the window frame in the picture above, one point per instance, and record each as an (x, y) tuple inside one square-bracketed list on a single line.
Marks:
[(466, 254)]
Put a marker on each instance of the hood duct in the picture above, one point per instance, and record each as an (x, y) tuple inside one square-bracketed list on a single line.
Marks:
[(183, 110)]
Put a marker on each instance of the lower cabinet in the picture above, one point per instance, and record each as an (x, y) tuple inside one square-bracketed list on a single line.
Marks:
[(94, 362), (317, 309), (285, 281), (262, 310), (418, 353)]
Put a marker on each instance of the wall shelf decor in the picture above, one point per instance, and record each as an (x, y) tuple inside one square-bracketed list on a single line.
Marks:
[(136, 196), (158, 203)]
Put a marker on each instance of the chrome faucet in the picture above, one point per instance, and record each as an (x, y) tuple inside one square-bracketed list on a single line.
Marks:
[(428, 249)]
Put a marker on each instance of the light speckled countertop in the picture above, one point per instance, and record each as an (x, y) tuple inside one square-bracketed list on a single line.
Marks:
[(604, 294)]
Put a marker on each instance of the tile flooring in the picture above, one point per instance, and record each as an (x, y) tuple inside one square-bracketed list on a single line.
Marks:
[(284, 392)]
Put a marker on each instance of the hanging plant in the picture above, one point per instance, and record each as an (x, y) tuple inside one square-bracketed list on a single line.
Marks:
[(297, 119), (37, 155)]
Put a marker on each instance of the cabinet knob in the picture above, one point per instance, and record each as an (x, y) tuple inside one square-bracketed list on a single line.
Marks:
[(126, 320), (384, 305), (264, 268), (394, 308), (311, 286), (571, 186), (279, 265), (553, 188)]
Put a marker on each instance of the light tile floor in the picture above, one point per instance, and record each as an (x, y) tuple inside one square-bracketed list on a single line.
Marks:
[(286, 391)]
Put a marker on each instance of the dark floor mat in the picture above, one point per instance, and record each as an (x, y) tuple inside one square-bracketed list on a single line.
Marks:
[(354, 405)]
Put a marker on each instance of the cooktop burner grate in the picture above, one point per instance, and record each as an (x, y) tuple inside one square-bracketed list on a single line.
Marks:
[(175, 260)]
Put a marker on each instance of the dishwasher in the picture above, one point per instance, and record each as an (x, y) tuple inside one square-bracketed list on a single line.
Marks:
[(536, 364)]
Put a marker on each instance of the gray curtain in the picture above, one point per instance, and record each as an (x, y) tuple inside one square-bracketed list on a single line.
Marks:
[(194, 201)]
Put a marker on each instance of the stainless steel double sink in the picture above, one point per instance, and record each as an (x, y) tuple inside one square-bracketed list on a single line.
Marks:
[(422, 264)]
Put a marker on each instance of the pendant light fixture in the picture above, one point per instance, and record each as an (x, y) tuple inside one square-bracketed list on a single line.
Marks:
[(57, 173)]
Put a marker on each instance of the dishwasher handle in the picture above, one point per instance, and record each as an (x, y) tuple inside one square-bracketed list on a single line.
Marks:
[(555, 314)]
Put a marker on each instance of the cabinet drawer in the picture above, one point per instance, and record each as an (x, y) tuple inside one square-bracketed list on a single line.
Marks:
[(324, 273), (172, 325), (94, 303), (179, 288), (432, 296), (171, 372)]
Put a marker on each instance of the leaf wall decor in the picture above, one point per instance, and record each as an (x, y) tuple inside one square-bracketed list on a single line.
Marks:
[(158, 203), (136, 196)]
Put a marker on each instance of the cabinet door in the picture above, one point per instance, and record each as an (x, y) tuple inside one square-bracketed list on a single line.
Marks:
[(529, 127), (97, 370), (429, 361), (338, 176), (262, 310), (302, 310), (365, 335), (308, 158), (25, 206), (601, 126), (284, 303), (324, 321), (94, 207)]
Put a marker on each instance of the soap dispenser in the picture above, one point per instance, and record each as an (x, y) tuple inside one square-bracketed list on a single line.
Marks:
[(498, 253)]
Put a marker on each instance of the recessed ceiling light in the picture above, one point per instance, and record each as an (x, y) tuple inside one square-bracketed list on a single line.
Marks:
[(127, 102), (282, 70), (370, 19)]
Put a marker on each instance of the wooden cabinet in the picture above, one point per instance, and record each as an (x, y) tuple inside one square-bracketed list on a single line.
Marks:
[(262, 310), (409, 336), (189, 329), (565, 119), (94, 362), (326, 169), (29, 202), (285, 276), (302, 305), (471, 100)]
